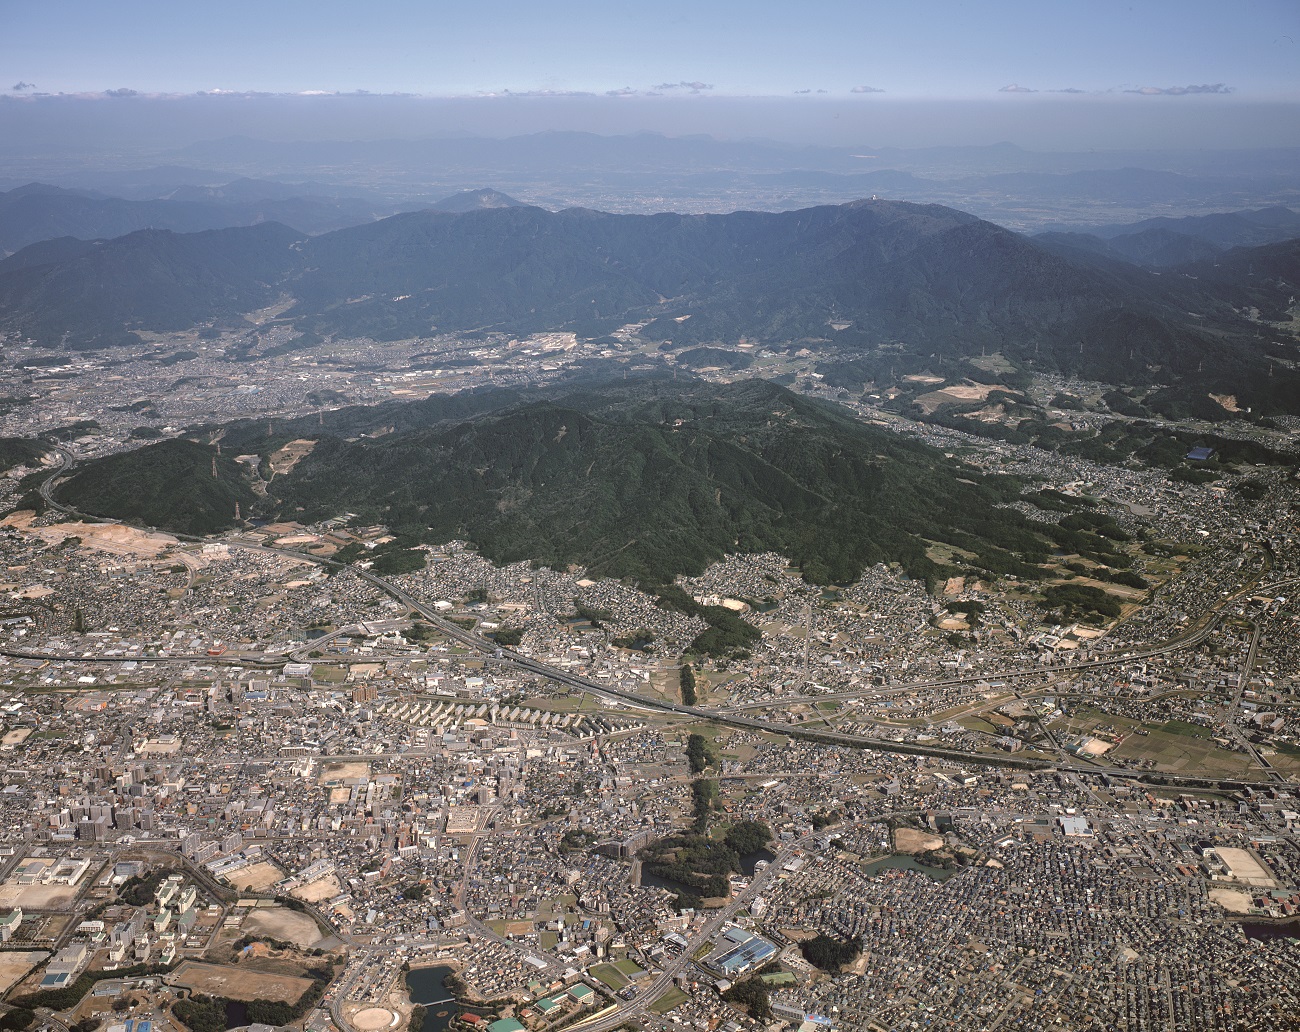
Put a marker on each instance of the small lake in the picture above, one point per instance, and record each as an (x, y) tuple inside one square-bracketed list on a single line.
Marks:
[(427, 987), (903, 862), (1266, 931), (748, 861), (654, 881)]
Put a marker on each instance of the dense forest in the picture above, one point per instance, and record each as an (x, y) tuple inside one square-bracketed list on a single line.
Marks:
[(920, 281), (642, 479)]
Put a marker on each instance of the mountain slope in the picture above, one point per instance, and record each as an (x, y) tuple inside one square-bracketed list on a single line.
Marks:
[(28, 215), (869, 278), (474, 200), (640, 479), (156, 280), (1164, 242), (924, 274)]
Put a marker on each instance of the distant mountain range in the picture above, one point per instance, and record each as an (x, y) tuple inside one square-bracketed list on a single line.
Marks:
[(476, 200), (644, 478), (647, 172), (36, 212), (887, 284), (1165, 242)]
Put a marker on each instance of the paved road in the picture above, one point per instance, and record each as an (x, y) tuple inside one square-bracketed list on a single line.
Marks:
[(732, 716), (1234, 707), (1185, 640)]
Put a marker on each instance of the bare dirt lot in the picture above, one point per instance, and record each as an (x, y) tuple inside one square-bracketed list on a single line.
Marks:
[(1232, 900), (338, 771), (372, 1019), (1244, 867), (14, 966), (279, 923), (909, 840), (318, 890), (238, 983), (958, 394), (102, 537), (256, 877), (36, 897), (290, 455)]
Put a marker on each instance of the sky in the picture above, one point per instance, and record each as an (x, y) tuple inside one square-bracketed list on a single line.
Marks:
[(938, 48), (1153, 61)]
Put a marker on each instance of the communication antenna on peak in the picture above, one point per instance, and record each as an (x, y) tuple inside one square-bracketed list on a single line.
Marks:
[(237, 517), (268, 428), (320, 416), (214, 467)]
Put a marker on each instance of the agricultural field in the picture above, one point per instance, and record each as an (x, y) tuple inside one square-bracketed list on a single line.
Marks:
[(1184, 750), (674, 997)]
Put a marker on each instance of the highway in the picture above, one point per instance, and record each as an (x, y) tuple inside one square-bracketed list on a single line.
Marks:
[(733, 716), (736, 716)]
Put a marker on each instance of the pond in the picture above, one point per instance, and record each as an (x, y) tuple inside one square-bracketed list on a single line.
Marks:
[(654, 881), (427, 987), (748, 861), (903, 862), (1264, 931), (747, 864)]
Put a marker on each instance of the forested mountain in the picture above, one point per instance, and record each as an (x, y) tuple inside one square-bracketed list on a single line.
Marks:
[(92, 294), (475, 200), (1249, 228), (34, 213), (847, 280), (646, 479), (1164, 242)]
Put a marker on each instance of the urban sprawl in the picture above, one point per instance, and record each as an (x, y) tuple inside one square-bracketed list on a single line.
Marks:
[(239, 780)]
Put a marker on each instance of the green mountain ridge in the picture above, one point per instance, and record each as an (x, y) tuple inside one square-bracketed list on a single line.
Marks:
[(644, 479), (917, 280)]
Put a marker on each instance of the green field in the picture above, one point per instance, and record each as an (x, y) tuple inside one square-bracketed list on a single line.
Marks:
[(630, 968), (1182, 727), (1185, 752), (609, 975), (672, 998)]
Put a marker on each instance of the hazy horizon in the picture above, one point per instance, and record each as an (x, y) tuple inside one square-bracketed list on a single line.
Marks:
[(121, 123), (89, 78)]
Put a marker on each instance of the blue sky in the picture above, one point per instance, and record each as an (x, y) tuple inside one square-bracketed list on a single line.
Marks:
[(934, 49)]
